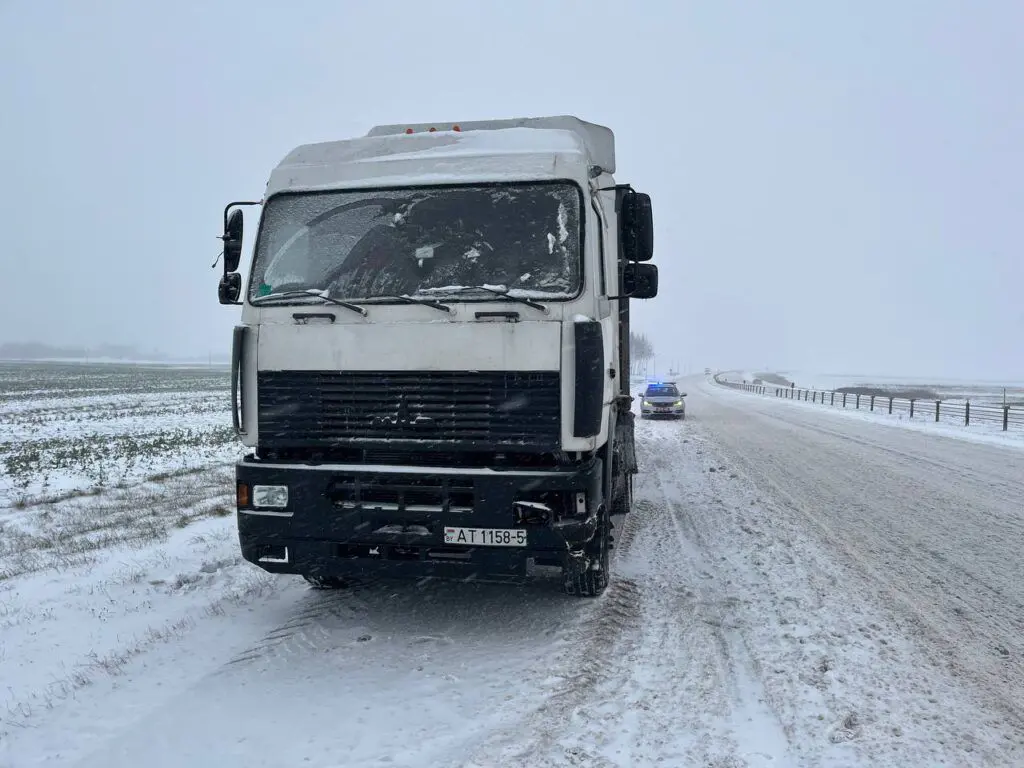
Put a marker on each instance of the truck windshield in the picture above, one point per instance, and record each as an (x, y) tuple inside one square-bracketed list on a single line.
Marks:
[(438, 242)]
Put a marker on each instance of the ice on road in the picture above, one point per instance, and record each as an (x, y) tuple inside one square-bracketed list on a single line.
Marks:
[(792, 589)]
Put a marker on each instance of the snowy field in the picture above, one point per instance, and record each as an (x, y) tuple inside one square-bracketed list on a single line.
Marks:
[(792, 589), (71, 429)]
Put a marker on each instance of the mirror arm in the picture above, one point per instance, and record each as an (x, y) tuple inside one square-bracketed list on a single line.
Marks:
[(229, 206)]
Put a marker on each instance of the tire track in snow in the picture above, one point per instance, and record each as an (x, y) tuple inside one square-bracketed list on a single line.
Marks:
[(323, 617), (909, 551), (743, 729), (966, 600), (998, 480), (659, 676), (587, 661)]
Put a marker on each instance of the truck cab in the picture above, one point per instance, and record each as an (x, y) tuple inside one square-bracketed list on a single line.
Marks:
[(431, 368)]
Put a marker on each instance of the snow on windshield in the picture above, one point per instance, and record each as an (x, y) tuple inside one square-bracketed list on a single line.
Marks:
[(523, 237)]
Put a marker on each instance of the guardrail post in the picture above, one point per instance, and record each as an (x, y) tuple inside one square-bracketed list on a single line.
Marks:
[(1006, 417), (844, 399), (858, 402), (967, 414), (872, 402), (890, 406), (911, 407), (937, 404), (833, 398)]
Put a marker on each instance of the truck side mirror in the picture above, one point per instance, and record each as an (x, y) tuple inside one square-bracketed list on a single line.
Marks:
[(232, 237), (637, 226), (230, 288), (640, 281)]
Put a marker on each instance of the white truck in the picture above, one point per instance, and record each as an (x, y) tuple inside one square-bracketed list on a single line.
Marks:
[(432, 363)]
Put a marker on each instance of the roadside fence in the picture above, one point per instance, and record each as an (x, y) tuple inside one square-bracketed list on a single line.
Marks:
[(965, 413)]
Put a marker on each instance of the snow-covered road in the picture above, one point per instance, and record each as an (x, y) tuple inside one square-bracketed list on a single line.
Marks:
[(931, 525), (793, 588)]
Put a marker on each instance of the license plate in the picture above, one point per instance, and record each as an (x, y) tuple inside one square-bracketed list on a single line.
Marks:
[(485, 537)]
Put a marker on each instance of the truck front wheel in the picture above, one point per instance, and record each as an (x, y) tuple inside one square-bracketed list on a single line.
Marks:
[(586, 574)]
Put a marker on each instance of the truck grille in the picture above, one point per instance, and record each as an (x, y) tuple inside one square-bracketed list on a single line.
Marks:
[(310, 409)]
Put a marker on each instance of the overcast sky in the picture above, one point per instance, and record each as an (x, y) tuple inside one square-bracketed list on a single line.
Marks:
[(837, 186)]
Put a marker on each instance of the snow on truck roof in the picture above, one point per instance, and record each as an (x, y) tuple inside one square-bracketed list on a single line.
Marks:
[(499, 150), (599, 141)]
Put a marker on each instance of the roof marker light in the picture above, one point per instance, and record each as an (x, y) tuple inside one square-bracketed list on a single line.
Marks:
[(408, 130), (456, 128), (432, 129)]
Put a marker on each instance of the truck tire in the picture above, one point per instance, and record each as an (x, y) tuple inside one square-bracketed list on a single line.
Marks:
[(579, 577)]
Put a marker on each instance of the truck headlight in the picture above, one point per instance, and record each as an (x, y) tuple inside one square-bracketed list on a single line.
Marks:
[(273, 496)]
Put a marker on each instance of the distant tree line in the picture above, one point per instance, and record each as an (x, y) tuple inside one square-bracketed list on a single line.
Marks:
[(640, 351)]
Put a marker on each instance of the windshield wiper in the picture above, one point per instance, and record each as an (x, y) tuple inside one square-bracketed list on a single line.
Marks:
[(414, 300), (503, 292), (312, 293)]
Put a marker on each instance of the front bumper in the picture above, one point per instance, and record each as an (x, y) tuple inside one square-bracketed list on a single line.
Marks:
[(346, 520), (662, 410)]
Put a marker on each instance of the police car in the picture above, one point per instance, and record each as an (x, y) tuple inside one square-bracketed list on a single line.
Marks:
[(662, 399)]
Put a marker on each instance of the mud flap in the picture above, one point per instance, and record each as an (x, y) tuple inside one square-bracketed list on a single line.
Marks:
[(624, 463), (585, 572)]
